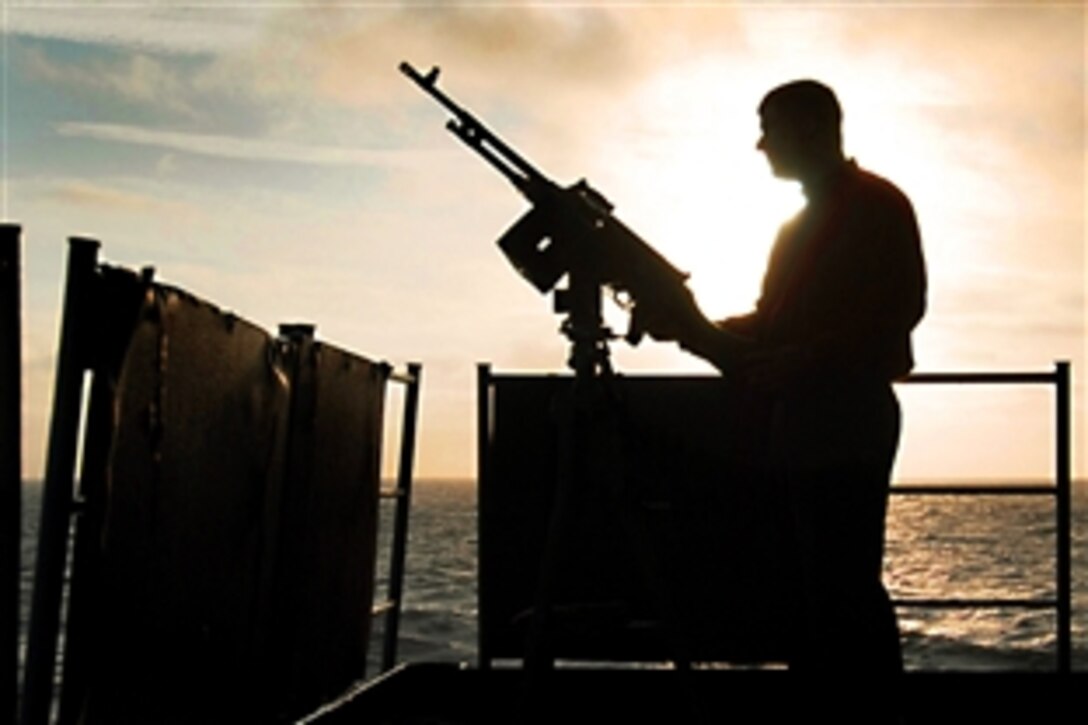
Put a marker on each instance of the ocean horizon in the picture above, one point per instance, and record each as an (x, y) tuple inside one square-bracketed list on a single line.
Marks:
[(937, 546)]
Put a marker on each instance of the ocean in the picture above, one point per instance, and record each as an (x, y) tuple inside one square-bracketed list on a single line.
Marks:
[(938, 546)]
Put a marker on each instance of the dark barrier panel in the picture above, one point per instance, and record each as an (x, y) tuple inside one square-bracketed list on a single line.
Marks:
[(668, 548), (325, 583), (185, 519), (224, 556)]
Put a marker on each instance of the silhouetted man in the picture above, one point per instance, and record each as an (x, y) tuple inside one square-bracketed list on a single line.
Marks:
[(844, 287)]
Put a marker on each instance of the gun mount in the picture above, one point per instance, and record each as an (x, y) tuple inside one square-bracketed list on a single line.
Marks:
[(569, 231)]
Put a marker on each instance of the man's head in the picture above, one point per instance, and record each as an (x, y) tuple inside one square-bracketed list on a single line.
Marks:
[(801, 124)]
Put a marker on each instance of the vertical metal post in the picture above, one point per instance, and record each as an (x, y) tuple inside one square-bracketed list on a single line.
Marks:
[(483, 447), (1063, 481), (400, 522), (279, 638), (57, 491), (11, 469)]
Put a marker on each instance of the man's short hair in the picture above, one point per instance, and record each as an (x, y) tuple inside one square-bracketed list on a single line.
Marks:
[(806, 101)]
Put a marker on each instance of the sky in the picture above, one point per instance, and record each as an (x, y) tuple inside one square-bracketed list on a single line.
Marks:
[(269, 157)]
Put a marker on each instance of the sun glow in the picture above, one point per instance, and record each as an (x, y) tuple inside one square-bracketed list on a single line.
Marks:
[(213, 156), (688, 177), (703, 195), (691, 180)]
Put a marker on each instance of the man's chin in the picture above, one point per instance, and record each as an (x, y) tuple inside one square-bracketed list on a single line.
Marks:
[(783, 173)]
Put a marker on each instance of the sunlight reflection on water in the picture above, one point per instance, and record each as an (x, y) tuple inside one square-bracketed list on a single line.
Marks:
[(981, 547)]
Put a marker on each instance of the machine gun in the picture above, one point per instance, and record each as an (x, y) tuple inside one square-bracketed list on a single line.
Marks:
[(568, 231)]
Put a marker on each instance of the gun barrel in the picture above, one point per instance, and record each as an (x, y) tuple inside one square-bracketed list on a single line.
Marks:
[(476, 135), (568, 231), (429, 83), (407, 69)]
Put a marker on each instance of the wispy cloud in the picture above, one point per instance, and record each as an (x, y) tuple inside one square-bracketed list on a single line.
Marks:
[(235, 147), (136, 78), (84, 193), (184, 29), (555, 56)]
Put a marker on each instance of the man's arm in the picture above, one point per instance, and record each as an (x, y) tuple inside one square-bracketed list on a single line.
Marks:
[(746, 325), (680, 320)]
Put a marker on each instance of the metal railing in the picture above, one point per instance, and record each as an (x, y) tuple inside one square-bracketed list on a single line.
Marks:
[(391, 606), (1060, 490), (10, 464)]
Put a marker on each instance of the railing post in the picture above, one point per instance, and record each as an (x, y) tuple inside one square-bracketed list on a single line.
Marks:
[(1063, 481), (11, 491), (57, 487), (400, 517), (483, 448)]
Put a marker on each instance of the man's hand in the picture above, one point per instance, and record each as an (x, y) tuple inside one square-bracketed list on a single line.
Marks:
[(678, 319), (674, 317)]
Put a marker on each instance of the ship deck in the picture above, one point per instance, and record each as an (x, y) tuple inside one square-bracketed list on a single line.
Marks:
[(448, 694)]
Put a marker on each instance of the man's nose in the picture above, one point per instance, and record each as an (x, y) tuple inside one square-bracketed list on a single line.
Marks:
[(761, 143)]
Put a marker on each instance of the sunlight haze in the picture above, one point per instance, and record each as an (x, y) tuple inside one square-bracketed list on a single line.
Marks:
[(271, 159)]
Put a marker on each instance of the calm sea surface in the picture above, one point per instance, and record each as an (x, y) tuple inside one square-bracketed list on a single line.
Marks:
[(938, 546), (979, 547)]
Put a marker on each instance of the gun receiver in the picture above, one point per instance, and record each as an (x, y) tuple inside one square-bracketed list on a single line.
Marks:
[(568, 230)]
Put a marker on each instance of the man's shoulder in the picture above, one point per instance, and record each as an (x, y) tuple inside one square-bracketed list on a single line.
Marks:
[(876, 189)]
